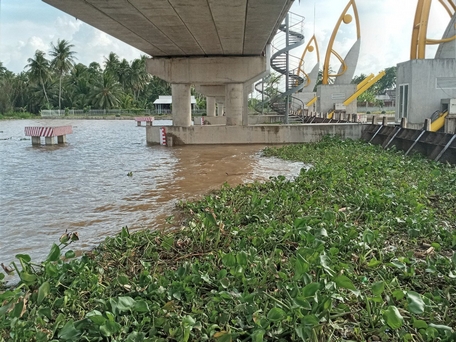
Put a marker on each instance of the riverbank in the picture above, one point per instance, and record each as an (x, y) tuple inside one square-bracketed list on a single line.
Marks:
[(359, 247)]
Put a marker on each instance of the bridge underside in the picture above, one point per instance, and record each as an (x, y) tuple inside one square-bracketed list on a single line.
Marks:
[(220, 46)]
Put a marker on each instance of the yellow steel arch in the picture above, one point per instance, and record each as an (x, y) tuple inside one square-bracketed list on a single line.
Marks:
[(346, 19), (420, 24), (312, 46)]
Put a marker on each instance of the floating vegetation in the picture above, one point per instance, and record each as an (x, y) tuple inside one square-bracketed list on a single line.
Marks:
[(359, 247)]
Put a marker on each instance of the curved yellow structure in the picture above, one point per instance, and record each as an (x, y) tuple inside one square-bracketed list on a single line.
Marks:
[(420, 24), (346, 19), (312, 46), (439, 122)]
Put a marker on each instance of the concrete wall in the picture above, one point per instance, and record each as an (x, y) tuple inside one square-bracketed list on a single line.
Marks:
[(269, 134), (253, 119), (329, 95), (424, 96)]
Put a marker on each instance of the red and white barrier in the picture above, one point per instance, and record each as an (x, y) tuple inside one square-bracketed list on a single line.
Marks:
[(163, 136), (147, 119), (48, 131)]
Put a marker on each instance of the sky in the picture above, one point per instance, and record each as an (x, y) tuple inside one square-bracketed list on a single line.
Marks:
[(386, 27)]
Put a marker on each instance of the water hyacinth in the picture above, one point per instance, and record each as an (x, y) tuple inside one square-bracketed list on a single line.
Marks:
[(358, 247)]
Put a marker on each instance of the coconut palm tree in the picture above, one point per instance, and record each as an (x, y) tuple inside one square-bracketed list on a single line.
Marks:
[(39, 71), (112, 64), (138, 76), (62, 62), (106, 92)]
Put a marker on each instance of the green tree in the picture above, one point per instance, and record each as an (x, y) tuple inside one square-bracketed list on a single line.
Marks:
[(358, 79), (106, 92), (39, 71), (112, 64), (6, 89), (388, 81), (62, 62), (137, 76)]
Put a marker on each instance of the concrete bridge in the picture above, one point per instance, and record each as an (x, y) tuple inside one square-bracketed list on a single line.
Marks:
[(220, 46)]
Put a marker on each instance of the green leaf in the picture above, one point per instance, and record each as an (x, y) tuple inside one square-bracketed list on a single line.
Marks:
[(54, 254), (18, 309), (122, 279), (223, 336), (125, 303), (393, 318), (96, 317), (344, 282), (419, 324), (68, 332), (378, 288), (398, 294), (43, 291), (2, 276), (440, 327), (374, 262), (368, 236), (24, 257), (415, 303), (225, 282), (141, 306), (51, 269), (241, 258), (70, 254), (124, 233), (303, 303), (258, 335), (276, 314), (110, 328), (310, 320), (310, 289), (229, 260), (27, 278), (135, 337)]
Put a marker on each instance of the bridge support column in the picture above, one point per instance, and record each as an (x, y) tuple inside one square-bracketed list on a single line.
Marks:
[(220, 108), (234, 102), (210, 106), (182, 109)]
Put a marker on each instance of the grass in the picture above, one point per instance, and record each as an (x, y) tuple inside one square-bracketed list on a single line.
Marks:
[(17, 115), (358, 248)]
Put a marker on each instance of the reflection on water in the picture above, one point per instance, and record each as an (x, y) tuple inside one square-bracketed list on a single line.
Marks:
[(83, 186)]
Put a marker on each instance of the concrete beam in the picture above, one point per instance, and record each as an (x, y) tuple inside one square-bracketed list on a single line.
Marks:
[(210, 70), (217, 91)]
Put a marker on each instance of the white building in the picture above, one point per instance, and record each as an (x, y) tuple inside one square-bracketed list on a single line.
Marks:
[(164, 103)]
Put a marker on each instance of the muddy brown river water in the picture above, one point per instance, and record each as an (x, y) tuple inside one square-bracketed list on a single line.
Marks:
[(83, 186)]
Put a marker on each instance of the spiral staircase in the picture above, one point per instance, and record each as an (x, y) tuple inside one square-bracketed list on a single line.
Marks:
[(277, 90)]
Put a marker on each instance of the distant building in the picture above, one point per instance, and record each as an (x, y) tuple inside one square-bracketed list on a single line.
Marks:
[(163, 104), (388, 98)]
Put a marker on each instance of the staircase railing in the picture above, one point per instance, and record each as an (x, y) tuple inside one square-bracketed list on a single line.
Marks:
[(277, 95)]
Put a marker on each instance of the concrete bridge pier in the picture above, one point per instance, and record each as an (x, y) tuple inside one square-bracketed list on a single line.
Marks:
[(234, 103), (227, 77), (220, 108), (210, 106), (182, 108)]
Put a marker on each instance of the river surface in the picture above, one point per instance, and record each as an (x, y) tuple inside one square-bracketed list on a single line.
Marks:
[(83, 185)]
